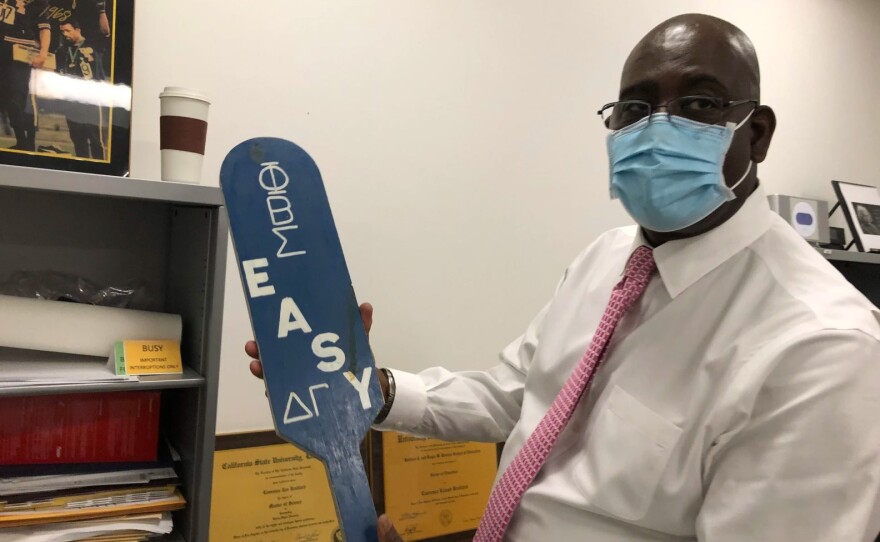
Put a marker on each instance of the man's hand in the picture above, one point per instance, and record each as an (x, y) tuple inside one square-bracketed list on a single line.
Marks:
[(251, 349), (387, 532), (104, 24), (366, 310), (39, 61)]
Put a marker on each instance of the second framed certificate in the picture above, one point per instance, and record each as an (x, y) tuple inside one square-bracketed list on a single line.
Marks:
[(432, 490)]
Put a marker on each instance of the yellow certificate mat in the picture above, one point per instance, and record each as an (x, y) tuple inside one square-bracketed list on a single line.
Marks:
[(434, 488), (270, 493)]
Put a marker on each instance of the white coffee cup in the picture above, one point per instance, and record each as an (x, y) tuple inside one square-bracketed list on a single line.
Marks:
[(183, 131)]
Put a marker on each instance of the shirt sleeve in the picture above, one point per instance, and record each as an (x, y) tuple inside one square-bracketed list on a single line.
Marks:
[(39, 8), (478, 406), (804, 464)]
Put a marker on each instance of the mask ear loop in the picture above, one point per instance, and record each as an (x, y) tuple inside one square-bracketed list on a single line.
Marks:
[(741, 179), (736, 127)]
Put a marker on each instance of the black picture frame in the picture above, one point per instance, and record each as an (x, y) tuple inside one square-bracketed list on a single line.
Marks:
[(253, 439), (96, 97), (860, 204)]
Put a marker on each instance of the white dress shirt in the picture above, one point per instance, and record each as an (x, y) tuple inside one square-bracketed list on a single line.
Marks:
[(739, 399)]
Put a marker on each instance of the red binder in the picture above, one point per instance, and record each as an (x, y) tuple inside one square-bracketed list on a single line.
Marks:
[(79, 428)]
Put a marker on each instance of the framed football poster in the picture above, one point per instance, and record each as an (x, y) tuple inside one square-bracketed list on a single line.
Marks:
[(65, 84)]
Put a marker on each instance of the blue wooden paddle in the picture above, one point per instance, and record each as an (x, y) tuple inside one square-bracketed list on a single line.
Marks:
[(319, 370)]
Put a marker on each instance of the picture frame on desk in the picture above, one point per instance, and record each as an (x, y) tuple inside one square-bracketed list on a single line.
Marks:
[(66, 84), (861, 208)]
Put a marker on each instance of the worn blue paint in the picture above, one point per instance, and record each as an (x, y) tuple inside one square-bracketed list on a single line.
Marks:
[(319, 284)]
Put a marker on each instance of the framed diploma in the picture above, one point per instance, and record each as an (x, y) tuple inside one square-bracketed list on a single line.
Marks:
[(266, 489), (431, 489)]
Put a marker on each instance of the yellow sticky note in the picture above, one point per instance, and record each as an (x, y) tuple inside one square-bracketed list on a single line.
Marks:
[(152, 357)]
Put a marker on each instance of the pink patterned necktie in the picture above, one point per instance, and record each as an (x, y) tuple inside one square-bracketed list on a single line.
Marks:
[(522, 470)]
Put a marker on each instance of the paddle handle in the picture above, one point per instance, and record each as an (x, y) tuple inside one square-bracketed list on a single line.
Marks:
[(357, 516)]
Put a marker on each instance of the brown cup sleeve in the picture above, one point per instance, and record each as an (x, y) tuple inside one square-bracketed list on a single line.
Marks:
[(182, 134)]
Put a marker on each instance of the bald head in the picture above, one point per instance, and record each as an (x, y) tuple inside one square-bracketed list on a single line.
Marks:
[(698, 55), (693, 42)]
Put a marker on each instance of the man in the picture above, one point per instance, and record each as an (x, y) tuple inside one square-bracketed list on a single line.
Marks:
[(866, 220), (21, 25), (84, 121), (92, 16), (730, 389)]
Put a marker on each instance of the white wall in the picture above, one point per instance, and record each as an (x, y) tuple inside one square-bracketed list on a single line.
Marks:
[(459, 142)]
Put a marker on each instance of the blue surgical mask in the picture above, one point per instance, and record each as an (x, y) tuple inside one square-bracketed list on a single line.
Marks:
[(668, 173)]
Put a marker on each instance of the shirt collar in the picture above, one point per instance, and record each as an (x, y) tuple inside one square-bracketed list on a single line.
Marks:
[(683, 262)]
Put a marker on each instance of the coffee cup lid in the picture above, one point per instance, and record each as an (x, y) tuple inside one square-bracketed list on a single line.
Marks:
[(183, 92)]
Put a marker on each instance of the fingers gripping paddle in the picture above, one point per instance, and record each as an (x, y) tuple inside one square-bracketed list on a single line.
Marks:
[(319, 369)]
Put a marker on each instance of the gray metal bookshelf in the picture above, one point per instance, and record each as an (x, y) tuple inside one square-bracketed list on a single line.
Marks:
[(862, 269), (171, 238), (835, 255), (189, 379)]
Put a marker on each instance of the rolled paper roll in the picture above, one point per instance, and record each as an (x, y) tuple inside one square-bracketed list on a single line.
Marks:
[(72, 328), (183, 131)]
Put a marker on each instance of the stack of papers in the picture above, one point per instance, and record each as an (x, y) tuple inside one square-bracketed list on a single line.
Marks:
[(31, 368), (131, 528), (21, 482), (92, 506), (97, 506), (98, 502)]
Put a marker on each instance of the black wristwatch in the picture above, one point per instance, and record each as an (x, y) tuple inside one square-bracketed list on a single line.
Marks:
[(392, 389)]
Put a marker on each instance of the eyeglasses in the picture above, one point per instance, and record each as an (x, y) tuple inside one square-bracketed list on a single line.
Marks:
[(705, 109)]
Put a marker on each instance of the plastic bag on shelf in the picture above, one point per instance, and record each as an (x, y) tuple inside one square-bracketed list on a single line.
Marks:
[(56, 286)]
